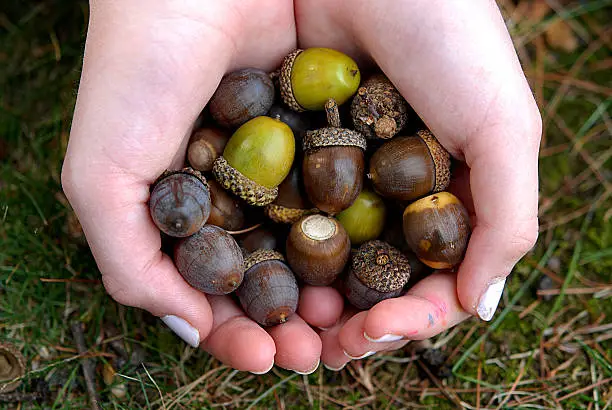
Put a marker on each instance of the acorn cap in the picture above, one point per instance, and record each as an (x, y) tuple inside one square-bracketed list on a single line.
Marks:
[(187, 170), (330, 137), (380, 266), (282, 214), (262, 255), (12, 366), (233, 180), (285, 81), (441, 159)]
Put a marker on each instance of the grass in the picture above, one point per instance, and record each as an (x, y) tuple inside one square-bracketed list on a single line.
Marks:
[(537, 353)]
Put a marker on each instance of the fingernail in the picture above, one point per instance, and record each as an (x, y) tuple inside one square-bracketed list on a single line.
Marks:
[(333, 369), (265, 371), (183, 329), (383, 339), (363, 356), (323, 328), (490, 299), (310, 371)]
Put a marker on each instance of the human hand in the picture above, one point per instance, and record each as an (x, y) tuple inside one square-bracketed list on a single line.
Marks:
[(149, 69), (454, 63)]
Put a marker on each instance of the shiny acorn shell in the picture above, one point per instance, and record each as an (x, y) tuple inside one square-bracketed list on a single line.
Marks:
[(318, 249), (241, 96), (210, 261), (269, 293), (205, 146), (260, 238), (437, 229), (180, 202), (226, 211), (364, 220), (12, 366), (407, 168), (291, 203)]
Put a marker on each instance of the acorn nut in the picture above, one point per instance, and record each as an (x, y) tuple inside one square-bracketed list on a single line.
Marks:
[(378, 272), (364, 220), (241, 96), (407, 168), (291, 203), (260, 238), (269, 293), (210, 261), (309, 77), (180, 202), (318, 248), (226, 211), (437, 229), (256, 159), (205, 146), (333, 164), (12, 366)]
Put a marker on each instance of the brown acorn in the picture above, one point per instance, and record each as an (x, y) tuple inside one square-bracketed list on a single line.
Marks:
[(260, 238), (407, 168), (269, 293), (210, 261), (333, 164), (12, 366), (241, 96), (205, 146), (299, 122), (180, 202), (291, 203), (318, 248), (378, 109), (226, 211), (378, 272), (437, 229)]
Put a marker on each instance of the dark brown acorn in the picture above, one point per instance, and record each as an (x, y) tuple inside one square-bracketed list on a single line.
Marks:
[(437, 229), (298, 122), (210, 261), (205, 146), (241, 96), (226, 211), (12, 366), (260, 238), (180, 202), (269, 293), (291, 203), (378, 272), (333, 164), (407, 168), (378, 109), (318, 249)]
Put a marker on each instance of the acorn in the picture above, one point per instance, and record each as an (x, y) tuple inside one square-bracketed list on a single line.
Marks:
[(210, 261), (226, 211), (241, 96), (437, 229), (378, 272), (333, 164), (12, 366), (180, 202), (407, 168), (298, 122), (256, 159), (269, 293), (364, 220), (378, 110), (260, 238), (205, 146), (291, 203), (318, 248), (310, 77)]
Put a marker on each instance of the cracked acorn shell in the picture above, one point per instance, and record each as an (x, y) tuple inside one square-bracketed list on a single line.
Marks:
[(437, 229), (269, 293), (12, 366), (378, 272), (256, 159), (378, 110), (407, 168)]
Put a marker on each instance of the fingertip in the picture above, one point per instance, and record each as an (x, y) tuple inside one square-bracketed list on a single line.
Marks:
[(298, 346), (320, 306)]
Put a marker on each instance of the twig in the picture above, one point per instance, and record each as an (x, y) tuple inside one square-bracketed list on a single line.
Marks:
[(574, 291), (452, 397), (513, 388), (587, 388), (87, 364)]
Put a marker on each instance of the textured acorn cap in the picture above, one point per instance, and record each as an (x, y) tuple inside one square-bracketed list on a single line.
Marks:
[(284, 215), (187, 170), (285, 81), (330, 137), (233, 180), (441, 158), (12, 366), (380, 266), (262, 255)]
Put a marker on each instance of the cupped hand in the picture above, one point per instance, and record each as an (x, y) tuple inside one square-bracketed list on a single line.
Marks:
[(454, 62)]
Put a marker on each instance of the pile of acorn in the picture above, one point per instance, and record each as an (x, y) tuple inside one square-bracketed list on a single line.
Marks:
[(273, 197)]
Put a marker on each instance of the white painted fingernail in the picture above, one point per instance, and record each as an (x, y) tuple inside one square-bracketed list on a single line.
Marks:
[(490, 299), (310, 371), (333, 369), (183, 329), (323, 328), (265, 371), (383, 339), (363, 356)]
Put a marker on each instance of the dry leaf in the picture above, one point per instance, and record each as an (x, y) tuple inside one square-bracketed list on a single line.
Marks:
[(560, 35)]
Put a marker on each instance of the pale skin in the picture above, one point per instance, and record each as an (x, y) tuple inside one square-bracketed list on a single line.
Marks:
[(150, 68)]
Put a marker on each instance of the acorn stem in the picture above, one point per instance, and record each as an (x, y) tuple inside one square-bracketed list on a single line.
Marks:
[(333, 116), (245, 230), (363, 93)]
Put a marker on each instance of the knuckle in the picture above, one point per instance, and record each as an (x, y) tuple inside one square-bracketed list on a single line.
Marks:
[(524, 239), (120, 292)]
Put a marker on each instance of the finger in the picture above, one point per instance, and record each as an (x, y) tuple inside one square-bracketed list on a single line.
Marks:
[(353, 342), (430, 307), (298, 347), (332, 353), (320, 306), (236, 340)]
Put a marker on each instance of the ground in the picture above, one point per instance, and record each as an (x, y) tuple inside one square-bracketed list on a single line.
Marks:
[(546, 350)]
